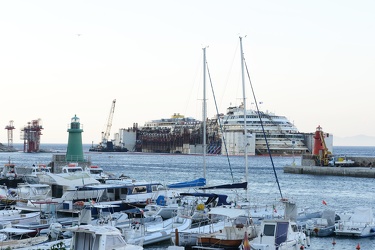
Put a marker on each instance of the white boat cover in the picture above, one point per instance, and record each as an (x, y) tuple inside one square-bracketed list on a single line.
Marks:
[(363, 214), (229, 212), (16, 230)]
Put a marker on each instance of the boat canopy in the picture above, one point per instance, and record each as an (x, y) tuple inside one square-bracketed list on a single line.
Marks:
[(221, 198), (12, 230), (229, 212), (228, 186), (114, 186)]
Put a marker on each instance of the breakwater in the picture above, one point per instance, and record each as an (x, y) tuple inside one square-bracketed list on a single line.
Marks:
[(337, 171), (361, 167)]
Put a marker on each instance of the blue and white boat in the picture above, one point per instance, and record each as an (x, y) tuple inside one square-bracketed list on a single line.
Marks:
[(124, 194)]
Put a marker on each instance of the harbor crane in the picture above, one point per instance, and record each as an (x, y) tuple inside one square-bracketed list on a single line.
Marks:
[(107, 145), (105, 135)]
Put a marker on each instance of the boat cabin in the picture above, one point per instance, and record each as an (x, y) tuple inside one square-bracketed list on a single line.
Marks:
[(282, 233), (87, 237), (136, 192), (30, 174), (9, 171), (33, 191), (72, 168), (97, 173), (9, 175)]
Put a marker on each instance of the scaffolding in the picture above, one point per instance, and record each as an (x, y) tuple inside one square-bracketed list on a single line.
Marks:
[(30, 134), (10, 128)]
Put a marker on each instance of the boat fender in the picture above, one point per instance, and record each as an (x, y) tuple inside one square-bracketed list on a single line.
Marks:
[(79, 203), (308, 241), (200, 207)]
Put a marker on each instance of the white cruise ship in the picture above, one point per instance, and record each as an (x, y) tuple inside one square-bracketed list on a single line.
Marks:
[(282, 136)]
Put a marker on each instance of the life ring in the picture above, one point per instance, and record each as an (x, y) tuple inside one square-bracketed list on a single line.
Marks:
[(148, 201)]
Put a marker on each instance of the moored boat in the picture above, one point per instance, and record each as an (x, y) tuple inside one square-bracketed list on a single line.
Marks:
[(359, 224)]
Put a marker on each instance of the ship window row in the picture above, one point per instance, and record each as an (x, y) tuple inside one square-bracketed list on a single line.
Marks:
[(257, 116), (263, 122), (288, 136)]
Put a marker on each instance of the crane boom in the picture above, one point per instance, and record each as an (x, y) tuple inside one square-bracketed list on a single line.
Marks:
[(105, 135)]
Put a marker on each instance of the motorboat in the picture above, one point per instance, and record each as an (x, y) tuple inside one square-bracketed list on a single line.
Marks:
[(125, 193), (15, 215), (30, 173), (9, 176), (146, 234), (322, 225), (279, 234), (68, 186), (97, 172), (359, 224), (14, 238), (87, 237)]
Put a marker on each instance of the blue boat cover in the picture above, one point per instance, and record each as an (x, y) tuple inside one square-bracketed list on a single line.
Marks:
[(194, 183), (221, 198)]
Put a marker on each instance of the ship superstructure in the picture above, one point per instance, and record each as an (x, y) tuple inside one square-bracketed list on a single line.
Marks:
[(282, 136), (179, 134)]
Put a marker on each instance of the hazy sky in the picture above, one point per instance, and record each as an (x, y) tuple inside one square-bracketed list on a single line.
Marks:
[(312, 61)]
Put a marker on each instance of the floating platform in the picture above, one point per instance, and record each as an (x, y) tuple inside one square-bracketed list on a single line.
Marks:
[(362, 172)]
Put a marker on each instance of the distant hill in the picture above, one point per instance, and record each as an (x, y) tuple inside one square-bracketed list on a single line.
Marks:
[(358, 140)]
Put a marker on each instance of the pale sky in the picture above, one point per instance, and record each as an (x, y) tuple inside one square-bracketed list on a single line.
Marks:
[(311, 61)]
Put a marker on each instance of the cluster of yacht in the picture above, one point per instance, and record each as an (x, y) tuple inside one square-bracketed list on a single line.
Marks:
[(58, 208), (86, 205)]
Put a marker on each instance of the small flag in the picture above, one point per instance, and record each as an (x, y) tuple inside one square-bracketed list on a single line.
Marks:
[(324, 202)]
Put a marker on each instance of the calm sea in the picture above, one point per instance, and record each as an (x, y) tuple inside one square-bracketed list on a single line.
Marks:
[(342, 194)]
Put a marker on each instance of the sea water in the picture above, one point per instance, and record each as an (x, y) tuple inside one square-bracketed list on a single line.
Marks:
[(341, 194)]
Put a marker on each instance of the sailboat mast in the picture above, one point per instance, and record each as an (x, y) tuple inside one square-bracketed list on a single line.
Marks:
[(204, 113), (244, 116)]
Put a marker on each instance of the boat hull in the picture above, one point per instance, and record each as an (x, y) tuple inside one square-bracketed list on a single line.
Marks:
[(219, 243)]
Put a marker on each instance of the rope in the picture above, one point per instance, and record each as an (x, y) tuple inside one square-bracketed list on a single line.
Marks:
[(221, 127), (264, 133)]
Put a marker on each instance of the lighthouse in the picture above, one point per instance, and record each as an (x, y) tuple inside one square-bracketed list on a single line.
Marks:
[(74, 152)]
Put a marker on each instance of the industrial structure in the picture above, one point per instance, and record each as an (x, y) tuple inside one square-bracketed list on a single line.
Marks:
[(107, 145), (10, 129), (177, 134), (30, 134)]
